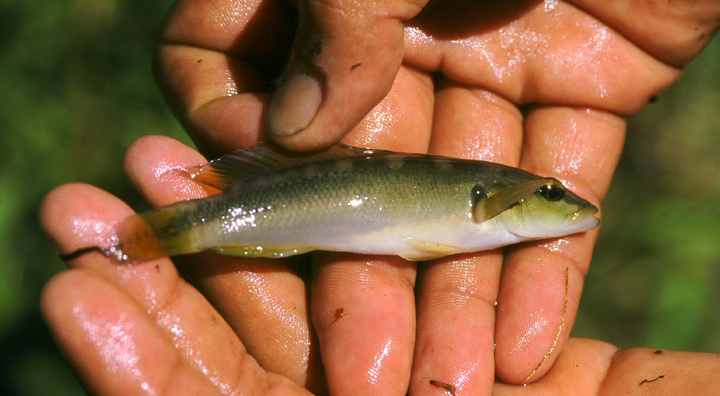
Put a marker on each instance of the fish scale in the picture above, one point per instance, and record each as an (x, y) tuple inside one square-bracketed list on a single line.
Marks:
[(339, 207)]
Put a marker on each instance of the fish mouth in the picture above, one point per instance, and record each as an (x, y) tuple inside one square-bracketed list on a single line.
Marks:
[(584, 215)]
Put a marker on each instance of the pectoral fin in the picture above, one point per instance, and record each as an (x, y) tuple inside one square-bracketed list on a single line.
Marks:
[(486, 208)]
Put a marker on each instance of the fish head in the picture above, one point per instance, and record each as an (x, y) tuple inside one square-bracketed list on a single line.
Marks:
[(550, 210)]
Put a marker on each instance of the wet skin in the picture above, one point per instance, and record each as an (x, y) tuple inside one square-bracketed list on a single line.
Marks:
[(539, 86)]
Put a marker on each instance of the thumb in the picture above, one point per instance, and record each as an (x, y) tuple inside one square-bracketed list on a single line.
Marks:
[(345, 57)]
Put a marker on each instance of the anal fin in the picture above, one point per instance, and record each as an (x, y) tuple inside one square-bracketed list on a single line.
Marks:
[(485, 208)]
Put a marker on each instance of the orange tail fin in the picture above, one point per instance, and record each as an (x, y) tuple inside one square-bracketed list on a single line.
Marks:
[(157, 233)]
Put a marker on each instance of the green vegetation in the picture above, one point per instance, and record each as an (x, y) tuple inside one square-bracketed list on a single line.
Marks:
[(76, 79), (654, 277), (77, 90)]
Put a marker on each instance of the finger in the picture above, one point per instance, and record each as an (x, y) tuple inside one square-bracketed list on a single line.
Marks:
[(456, 295), (533, 53), (80, 215), (661, 372), (580, 147), (344, 60), (673, 33), (266, 304), (263, 300), (477, 124), (216, 63), (363, 307), (76, 216), (116, 346), (456, 323), (107, 335), (402, 121), (580, 369), (365, 322), (594, 368)]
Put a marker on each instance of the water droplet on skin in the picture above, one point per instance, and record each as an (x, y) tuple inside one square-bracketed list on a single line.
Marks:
[(114, 341), (373, 374), (184, 343), (294, 338), (378, 123), (531, 332), (464, 376), (93, 230), (179, 187), (555, 246), (550, 5), (417, 36)]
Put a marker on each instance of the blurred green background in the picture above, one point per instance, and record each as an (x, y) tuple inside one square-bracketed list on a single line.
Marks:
[(75, 77)]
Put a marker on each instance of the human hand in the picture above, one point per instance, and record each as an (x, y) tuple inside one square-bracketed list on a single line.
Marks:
[(540, 86), (140, 328)]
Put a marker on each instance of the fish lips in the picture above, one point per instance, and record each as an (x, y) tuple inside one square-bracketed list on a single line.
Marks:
[(584, 218)]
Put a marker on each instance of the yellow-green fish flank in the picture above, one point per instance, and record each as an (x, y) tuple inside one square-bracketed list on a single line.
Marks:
[(355, 200)]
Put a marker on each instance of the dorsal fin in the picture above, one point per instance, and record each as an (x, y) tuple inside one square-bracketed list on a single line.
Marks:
[(247, 164), (487, 208)]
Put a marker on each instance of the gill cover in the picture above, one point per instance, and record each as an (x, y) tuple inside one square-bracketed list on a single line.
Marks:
[(485, 208)]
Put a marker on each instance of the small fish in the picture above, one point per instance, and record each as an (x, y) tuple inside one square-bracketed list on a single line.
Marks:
[(419, 207)]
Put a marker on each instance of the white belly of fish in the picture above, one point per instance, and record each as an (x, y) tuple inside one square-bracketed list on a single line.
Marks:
[(416, 240), (429, 240)]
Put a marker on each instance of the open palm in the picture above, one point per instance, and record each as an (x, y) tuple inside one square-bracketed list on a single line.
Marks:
[(542, 86)]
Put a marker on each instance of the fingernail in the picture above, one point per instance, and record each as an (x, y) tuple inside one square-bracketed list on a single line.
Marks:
[(294, 105)]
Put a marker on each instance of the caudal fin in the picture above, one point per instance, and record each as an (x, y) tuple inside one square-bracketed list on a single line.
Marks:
[(156, 233)]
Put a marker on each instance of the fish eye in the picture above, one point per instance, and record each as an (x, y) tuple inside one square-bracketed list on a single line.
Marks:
[(552, 192)]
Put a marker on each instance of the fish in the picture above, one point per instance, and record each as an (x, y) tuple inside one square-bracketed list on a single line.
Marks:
[(272, 203)]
